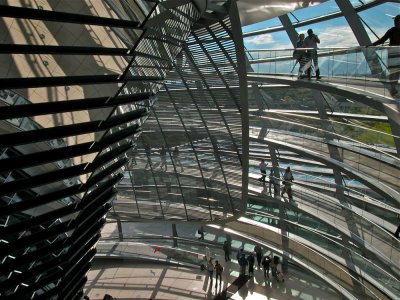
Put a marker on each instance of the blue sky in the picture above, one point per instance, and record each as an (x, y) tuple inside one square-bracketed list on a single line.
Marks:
[(332, 33)]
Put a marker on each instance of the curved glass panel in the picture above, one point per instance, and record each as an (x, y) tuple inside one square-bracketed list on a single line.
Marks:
[(274, 22), (322, 9), (375, 26), (151, 96), (332, 33), (275, 40)]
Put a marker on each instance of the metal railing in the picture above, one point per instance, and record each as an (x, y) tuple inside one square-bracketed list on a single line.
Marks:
[(324, 195), (332, 247), (358, 68)]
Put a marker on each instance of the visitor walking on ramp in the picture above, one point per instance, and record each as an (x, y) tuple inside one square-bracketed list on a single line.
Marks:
[(263, 171), (312, 41), (287, 183)]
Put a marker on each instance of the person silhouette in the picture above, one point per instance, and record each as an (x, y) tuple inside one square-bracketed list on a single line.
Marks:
[(287, 183), (311, 41), (177, 161), (263, 171), (393, 34), (147, 150), (163, 155), (218, 272), (301, 56), (271, 181)]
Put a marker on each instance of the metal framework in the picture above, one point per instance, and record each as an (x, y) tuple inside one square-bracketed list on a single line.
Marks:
[(65, 132), (151, 112)]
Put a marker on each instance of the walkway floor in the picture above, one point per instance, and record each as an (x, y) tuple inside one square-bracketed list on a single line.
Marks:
[(125, 279)]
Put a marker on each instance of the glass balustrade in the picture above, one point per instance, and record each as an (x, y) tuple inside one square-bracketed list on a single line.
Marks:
[(353, 69), (161, 248), (370, 158), (186, 250), (330, 210), (333, 246)]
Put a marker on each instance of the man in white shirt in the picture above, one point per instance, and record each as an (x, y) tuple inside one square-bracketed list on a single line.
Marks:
[(311, 41)]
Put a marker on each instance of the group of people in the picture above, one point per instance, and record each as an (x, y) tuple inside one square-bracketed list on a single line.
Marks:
[(218, 271), (248, 261), (273, 182), (263, 171), (163, 157), (245, 261), (308, 58)]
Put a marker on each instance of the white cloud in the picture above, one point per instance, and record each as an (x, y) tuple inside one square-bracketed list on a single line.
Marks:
[(266, 41), (260, 39), (281, 46), (341, 36)]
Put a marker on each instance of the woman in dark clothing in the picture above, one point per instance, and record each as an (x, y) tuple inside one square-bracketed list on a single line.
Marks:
[(301, 56), (265, 263), (227, 249)]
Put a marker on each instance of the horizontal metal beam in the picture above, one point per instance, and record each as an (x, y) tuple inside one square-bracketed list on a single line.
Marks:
[(19, 83), (36, 221), (58, 195), (55, 16), (68, 50), (36, 238), (57, 246), (40, 200), (32, 136), (35, 109), (62, 174), (23, 161), (42, 179)]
